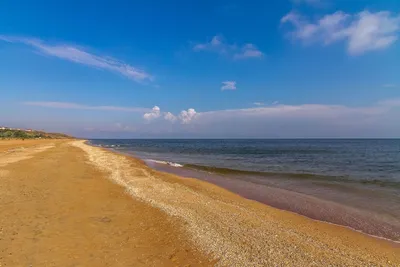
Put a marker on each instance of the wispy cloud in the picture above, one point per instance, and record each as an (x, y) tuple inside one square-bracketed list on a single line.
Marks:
[(390, 103), (228, 85), (363, 32), (66, 105), (109, 128), (265, 104), (310, 110), (389, 85), (123, 127), (77, 55), (248, 51), (218, 45), (259, 103)]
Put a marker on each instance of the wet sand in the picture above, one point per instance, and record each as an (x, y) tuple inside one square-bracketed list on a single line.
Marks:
[(374, 224), (65, 203)]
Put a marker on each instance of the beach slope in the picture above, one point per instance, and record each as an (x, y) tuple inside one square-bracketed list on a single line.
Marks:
[(65, 203)]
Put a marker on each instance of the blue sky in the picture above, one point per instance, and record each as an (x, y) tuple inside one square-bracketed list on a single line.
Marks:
[(273, 69)]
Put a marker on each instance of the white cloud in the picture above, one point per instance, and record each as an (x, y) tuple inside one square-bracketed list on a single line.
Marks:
[(80, 56), (170, 117), (228, 85), (186, 116), (372, 31), (218, 45), (285, 121), (248, 51), (66, 105), (275, 103), (364, 31), (153, 114), (269, 121)]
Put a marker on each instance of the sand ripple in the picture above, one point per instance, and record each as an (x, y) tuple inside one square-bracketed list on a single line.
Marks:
[(21, 153)]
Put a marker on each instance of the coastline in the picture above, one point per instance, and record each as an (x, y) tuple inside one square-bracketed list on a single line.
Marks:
[(337, 234), (300, 204), (62, 197)]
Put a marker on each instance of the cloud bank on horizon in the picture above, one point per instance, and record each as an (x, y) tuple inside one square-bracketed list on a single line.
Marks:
[(275, 120)]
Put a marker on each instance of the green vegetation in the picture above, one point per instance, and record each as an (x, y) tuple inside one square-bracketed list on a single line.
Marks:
[(23, 134)]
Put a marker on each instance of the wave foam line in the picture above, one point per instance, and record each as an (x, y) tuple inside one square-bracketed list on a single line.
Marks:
[(173, 164)]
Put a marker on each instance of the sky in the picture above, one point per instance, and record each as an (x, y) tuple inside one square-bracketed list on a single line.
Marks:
[(202, 69)]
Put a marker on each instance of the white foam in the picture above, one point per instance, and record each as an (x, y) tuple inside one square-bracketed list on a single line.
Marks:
[(173, 164)]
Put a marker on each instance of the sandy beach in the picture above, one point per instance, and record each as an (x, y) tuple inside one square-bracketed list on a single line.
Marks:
[(65, 203)]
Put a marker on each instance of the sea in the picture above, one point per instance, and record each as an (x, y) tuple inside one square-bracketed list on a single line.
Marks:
[(350, 182)]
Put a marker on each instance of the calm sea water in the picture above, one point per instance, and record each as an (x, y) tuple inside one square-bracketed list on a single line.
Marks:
[(362, 174)]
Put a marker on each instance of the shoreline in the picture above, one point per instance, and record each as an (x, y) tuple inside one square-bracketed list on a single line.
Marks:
[(237, 189), (314, 204), (101, 208), (330, 233)]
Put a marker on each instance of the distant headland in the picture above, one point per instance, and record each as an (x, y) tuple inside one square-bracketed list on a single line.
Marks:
[(17, 133)]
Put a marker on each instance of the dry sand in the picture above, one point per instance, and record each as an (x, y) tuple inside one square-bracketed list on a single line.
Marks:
[(59, 208)]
